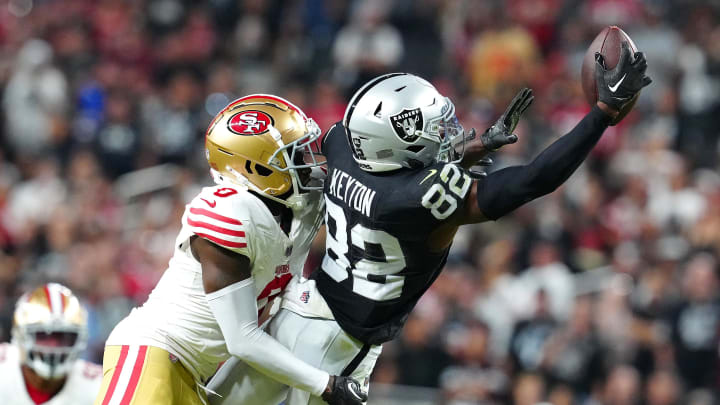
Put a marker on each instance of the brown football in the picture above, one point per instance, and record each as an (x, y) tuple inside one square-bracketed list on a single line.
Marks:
[(608, 44)]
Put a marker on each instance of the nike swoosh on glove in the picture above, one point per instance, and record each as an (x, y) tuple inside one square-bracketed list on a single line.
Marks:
[(617, 86), (344, 391)]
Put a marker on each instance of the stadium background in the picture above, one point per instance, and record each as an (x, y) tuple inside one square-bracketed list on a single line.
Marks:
[(604, 292)]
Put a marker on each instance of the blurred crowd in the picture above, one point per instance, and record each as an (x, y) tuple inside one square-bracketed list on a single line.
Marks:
[(603, 293)]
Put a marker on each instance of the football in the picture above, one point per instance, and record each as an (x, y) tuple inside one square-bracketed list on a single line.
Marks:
[(608, 44)]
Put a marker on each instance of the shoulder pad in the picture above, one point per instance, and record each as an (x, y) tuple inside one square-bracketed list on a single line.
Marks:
[(335, 136), (221, 215)]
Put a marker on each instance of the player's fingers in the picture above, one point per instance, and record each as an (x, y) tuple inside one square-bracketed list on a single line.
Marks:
[(640, 63), (486, 161), (527, 103), (641, 67), (528, 93), (599, 61), (625, 56), (639, 58), (646, 81), (518, 105), (516, 101), (513, 104), (527, 99)]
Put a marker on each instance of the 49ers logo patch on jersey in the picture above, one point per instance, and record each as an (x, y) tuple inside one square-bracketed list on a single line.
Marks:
[(407, 123), (250, 123)]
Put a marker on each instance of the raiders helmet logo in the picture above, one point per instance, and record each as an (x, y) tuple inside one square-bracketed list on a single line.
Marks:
[(407, 123), (250, 123)]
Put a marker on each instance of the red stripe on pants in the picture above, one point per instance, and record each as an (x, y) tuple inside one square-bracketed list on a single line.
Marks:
[(135, 376), (116, 375)]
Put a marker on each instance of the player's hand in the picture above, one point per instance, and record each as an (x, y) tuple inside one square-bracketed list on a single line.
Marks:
[(479, 173), (343, 391), (501, 133), (617, 86)]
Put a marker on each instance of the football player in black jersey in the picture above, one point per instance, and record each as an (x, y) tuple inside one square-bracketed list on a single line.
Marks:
[(396, 193)]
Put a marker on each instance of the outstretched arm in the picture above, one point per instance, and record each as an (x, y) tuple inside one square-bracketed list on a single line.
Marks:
[(505, 190)]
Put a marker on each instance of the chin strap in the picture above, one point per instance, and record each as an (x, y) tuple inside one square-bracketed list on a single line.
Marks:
[(243, 182), (293, 173)]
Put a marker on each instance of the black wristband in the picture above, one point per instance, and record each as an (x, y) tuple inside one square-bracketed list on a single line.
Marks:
[(601, 115)]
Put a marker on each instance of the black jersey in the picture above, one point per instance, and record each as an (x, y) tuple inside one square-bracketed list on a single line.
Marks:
[(377, 262)]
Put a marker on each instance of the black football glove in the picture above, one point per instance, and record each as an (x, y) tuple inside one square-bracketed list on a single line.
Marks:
[(501, 133), (617, 86), (480, 173), (485, 161), (343, 391)]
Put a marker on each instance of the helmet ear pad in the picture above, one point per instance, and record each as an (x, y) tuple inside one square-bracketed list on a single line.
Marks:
[(233, 163), (393, 122)]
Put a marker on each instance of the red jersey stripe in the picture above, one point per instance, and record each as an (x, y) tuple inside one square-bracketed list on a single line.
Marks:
[(222, 242), (135, 376), (210, 214), (212, 227), (116, 375)]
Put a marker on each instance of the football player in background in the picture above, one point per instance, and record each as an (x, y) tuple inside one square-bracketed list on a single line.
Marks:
[(240, 243), (41, 365), (396, 194)]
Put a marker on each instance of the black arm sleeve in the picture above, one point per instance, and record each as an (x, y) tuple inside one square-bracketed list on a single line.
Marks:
[(504, 190)]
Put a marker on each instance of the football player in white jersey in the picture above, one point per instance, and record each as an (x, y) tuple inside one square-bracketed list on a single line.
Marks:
[(41, 365), (240, 244)]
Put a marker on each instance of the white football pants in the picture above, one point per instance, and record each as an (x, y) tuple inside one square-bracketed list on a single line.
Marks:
[(319, 342)]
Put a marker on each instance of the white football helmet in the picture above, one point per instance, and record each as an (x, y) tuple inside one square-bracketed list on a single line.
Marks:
[(400, 120), (50, 330)]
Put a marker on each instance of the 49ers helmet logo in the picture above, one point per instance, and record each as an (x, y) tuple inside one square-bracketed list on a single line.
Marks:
[(250, 123)]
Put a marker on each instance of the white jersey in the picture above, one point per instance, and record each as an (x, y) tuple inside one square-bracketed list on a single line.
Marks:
[(81, 387), (176, 316)]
